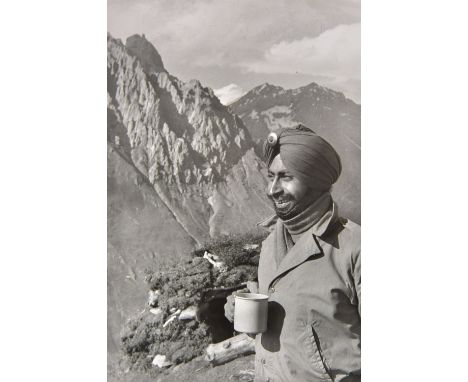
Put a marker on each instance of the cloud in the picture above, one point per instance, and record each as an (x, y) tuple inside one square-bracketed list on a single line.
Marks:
[(335, 53), (229, 93), (218, 33), (240, 41)]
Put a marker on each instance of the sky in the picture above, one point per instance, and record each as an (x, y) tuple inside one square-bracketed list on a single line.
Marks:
[(235, 45)]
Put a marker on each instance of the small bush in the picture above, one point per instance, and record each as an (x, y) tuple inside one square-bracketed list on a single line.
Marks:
[(190, 283)]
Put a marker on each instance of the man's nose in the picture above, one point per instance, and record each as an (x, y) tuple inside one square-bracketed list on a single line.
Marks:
[(274, 187)]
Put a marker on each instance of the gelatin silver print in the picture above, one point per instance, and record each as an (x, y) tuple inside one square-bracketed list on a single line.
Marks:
[(234, 190)]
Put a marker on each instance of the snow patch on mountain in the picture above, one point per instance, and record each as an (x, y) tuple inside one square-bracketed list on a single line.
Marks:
[(277, 117), (229, 94)]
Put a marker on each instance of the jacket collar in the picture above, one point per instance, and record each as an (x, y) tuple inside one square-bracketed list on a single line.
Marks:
[(307, 246)]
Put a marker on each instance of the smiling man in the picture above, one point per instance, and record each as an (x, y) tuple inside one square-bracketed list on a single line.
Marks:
[(309, 266)]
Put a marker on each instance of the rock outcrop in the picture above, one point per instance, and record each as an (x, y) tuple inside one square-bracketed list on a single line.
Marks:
[(198, 156), (181, 170)]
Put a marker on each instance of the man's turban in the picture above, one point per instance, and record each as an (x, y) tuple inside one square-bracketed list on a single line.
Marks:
[(307, 156)]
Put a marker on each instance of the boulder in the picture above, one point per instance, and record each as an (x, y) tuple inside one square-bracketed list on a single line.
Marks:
[(161, 361)]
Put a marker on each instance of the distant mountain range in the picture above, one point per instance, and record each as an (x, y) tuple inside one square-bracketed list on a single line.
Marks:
[(182, 167)]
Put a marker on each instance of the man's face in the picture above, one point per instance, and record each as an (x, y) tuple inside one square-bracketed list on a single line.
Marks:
[(290, 196)]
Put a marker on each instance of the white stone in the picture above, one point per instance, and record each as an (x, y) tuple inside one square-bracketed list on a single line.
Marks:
[(160, 361), (153, 296), (188, 314), (171, 318), (213, 259), (210, 256), (251, 246)]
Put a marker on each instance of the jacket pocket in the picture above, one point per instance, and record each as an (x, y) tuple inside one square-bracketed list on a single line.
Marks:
[(313, 352)]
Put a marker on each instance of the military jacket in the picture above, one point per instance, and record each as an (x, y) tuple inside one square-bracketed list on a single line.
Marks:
[(314, 322)]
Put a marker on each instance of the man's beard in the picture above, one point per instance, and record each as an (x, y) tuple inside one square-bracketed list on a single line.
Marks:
[(292, 209), (292, 206)]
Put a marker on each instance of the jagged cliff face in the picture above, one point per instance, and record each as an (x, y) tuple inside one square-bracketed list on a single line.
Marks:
[(181, 139), (329, 113), (178, 132), (181, 169)]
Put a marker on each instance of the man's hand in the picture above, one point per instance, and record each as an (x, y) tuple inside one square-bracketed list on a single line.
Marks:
[(252, 287), (229, 306)]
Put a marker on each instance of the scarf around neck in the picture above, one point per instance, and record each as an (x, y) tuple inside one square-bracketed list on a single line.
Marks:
[(310, 216), (314, 217)]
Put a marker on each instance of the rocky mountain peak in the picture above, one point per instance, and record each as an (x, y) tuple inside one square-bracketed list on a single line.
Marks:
[(146, 53), (194, 91), (265, 88), (176, 132), (313, 89)]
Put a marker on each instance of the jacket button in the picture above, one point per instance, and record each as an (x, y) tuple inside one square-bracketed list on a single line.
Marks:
[(263, 361)]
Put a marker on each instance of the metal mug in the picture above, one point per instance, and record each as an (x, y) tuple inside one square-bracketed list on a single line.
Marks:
[(250, 313)]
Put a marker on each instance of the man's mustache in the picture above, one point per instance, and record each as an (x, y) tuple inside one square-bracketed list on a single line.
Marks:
[(281, 199)]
